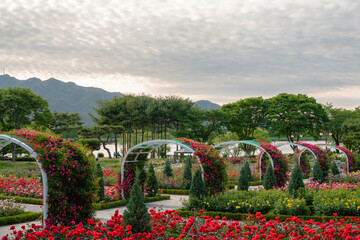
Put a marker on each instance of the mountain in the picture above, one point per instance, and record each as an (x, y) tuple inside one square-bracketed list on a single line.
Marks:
[(207, 105), (62, 96)]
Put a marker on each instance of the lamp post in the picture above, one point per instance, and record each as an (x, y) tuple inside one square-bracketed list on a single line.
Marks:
[(298, 136), (325, 133)]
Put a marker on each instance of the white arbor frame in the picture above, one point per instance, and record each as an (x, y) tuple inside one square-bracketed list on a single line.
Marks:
[(220, 146), (150, 146), (298, 145), (6, 140), (333, 146)]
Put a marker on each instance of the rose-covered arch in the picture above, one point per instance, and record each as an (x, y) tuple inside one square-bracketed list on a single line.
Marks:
[(348, 155), (67, 173), (276, 158), (321, 156), (211, 165)]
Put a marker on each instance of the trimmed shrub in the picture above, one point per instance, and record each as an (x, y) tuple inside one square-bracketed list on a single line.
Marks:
[(187, 177), (296, 180), (92, 144), (247, 169), (197, 188), (100, 175), (334, 169), (152, 185), (136, 213), (270, 179), (317, 173), (168, 170), (100, 155), (243, 180), (189, 159)]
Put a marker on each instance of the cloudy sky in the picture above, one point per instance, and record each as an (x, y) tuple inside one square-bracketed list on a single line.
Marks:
[(221, 51)]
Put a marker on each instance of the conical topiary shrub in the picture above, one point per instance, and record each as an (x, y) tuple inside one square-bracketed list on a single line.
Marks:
[(136, 213), (334, 169), (187, 177), (243, 180), (100, 175), (152, 185), (318, 174), (197, 188), (167, 169), (269, 179), (248, 170), (189, 158), (296, 180)]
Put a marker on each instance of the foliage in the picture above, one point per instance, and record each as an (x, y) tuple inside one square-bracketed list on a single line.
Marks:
[(291, 206), (247, 170), (71, 176), (167, 169), (100, 175), (136, 213), (243, 181), (334, 169), (351, 138), (152, 185), (187, 177), (270, 179), (64, 122), (318, 173), (8, 207), (296, 180), (92, 144), (197, 188)]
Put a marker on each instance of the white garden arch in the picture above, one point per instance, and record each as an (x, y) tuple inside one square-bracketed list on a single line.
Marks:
[(298, 145), (6, 140), (335, 147)]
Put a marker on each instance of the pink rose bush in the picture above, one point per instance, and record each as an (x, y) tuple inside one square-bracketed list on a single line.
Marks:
[(21, 187)]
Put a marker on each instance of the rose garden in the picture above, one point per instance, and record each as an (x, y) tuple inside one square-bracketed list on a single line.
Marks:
[(267, 195)]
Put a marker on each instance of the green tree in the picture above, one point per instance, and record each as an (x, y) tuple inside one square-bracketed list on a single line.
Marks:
[(296, 180), (100, 175), (167, 169), (136, 213), (197, 188), (64, 122), (243, 180), (334, 169), (317, 173), (187, 177), (247, 169), (294, 115), (351, 138), (92, 144), (269, 179), (152, 185)]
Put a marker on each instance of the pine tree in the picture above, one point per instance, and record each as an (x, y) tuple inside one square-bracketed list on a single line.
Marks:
[(136, 213), (269, 179), (189, 158), (334, 169), (243, 180), (152, 185), (296, 180), (248, 170), (100, 175), (168, 170), (318, 174), (187, 177), (197, 188)]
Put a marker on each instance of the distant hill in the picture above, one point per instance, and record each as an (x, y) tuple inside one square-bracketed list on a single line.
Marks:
[(62, 96), (69, 97), (205, 104)]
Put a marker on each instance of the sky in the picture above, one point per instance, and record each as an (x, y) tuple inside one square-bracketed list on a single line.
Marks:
[(221, 51)]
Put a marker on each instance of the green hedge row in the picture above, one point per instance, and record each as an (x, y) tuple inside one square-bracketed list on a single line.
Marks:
[(255, 183), (21, 218), (35, 201), (120, 203), (268, 216), (175, 191)]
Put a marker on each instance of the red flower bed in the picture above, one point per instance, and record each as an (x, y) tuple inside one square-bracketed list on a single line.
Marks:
[(169, 225)]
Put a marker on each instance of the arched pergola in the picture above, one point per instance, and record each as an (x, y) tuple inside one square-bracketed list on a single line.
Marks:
[(337, 148), (220, 146), (143, 149), (298, 145), (6, 140)]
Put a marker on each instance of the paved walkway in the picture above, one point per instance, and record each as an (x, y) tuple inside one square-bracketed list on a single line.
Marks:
[(103, 215)]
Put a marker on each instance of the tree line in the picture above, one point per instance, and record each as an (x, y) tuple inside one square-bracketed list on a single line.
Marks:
[(129, 120)]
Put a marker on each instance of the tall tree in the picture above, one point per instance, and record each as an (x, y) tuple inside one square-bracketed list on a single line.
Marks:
[(294, 115), (64, 122), (351, 138)]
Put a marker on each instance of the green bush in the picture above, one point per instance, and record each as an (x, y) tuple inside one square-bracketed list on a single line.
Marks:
[(100, 155), (92, 144), (197, 188), (25, 159), (317, 173), (334, 169), (270, 179), (167, 169), (119, 203), (243, 180), (290, 206), (248, 170), (187, 177), (21, 218), (152, 185), (175, 191), (100, 175), (296, 180)]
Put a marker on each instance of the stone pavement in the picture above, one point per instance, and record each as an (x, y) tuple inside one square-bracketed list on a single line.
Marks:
[(103, 215)]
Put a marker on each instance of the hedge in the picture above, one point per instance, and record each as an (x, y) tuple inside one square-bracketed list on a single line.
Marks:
[(268, 216), (24, 217), (255, 183), (35, 201), (175, 191), (119, 203)]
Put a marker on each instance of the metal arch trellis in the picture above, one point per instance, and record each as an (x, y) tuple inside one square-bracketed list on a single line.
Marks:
[(298, 145), (4, 141), (146, 148), (333, 146), (249, 142)]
